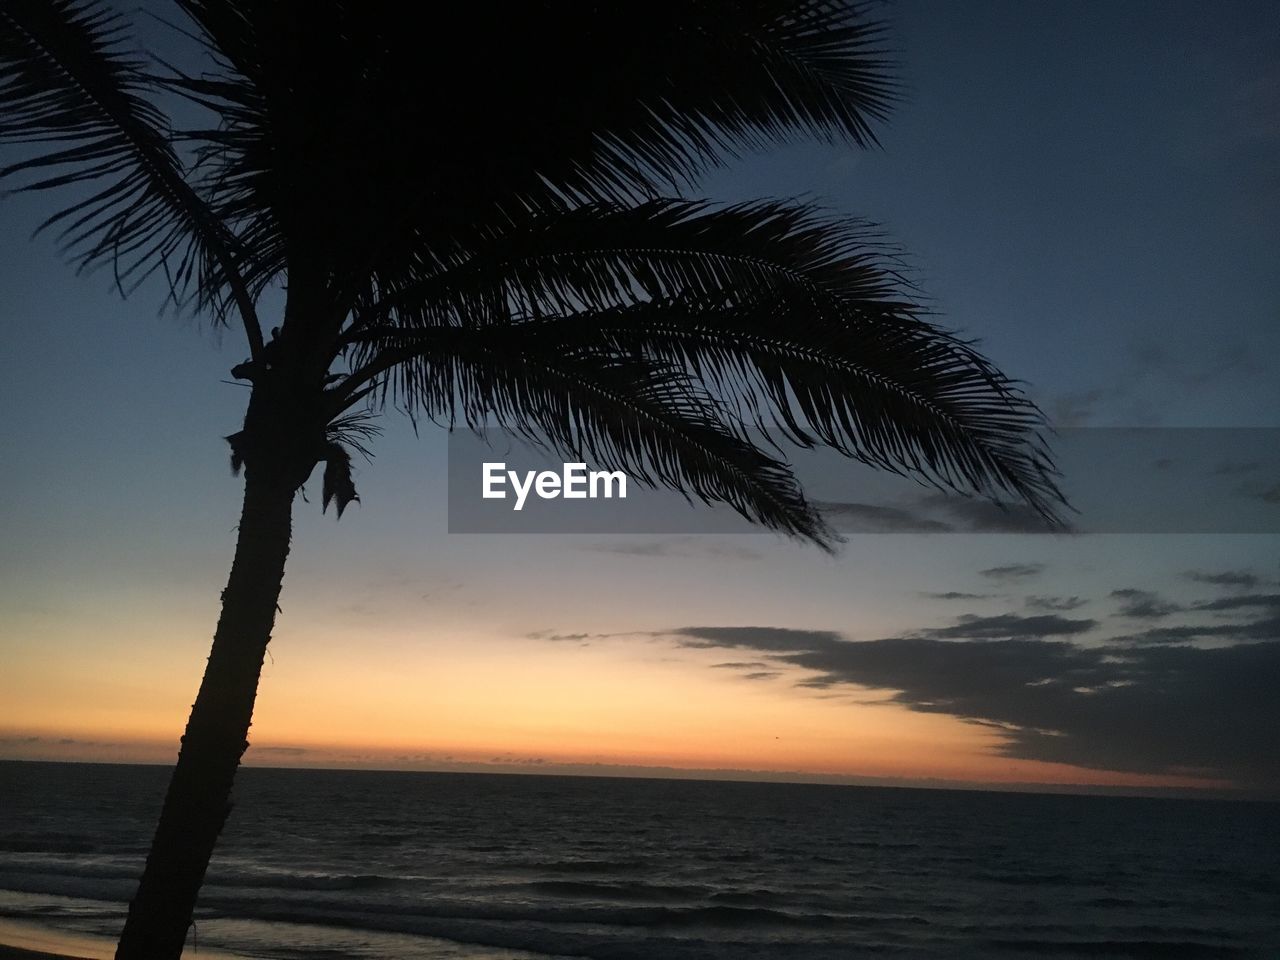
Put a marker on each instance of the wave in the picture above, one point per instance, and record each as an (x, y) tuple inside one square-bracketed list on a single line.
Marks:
[(48, 843), (582, 914), (589, 866), (1147, 949), (287, 880), (620, 890)]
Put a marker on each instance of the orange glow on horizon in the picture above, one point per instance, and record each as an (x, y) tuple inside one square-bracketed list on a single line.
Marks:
[(498, 703)]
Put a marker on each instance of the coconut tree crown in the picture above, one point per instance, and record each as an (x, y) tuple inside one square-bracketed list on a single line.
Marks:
[(476, 211)]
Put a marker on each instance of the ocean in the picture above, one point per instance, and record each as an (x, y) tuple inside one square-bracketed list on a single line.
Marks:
[(321, 864)]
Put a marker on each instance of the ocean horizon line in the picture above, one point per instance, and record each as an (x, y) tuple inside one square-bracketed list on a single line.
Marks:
[(733, 776)]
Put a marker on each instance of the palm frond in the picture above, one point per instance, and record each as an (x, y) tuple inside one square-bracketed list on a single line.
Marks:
[(799, 325), (353, 146), (603, 255), (72, 95), (337, 486), (630, 413)]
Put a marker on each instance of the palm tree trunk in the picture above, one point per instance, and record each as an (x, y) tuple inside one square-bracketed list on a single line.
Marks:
[(198, 800)]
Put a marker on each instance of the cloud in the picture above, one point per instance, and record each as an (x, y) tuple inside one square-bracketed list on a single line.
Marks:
[(984, 516), (1055, 603), (56, 741), (1234, 467), (740, 665), (1151, 373), (582, 639), (1226, 578), (848, 517), (1263, 491), (762, 675), (1013, 571), (956, 595), (1074, 409), (1143, 604), (565, 637), (1010, 625), (1144, 708), (764, 639), (686, 547), (1266, 628), (1150, 710), (934, 513), (511, 760), (1240, 602)]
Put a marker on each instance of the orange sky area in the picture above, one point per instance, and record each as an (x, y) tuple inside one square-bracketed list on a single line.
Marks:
[(554, 707)]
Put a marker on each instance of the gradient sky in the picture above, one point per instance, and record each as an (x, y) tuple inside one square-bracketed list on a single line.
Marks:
[(1091, 189)]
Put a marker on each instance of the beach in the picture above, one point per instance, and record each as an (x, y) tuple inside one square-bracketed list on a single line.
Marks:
[(29, 941), (17, 953)]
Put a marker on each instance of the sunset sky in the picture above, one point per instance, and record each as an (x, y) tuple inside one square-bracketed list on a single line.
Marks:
[(1092, 191)]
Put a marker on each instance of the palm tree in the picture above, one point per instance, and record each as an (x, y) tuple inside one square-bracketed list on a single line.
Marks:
[(476, 213)]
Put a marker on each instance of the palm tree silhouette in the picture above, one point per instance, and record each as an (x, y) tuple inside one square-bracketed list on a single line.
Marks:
[(476, 213)]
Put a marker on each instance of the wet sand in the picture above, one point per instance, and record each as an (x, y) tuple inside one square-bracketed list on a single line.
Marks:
[(30, 941), (17, 953), (20, 940)]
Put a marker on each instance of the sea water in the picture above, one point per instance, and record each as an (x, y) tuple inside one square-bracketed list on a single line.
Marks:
[(327, 864)]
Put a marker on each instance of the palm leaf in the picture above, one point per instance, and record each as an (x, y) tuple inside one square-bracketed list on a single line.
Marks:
[(73, 96), (630, 413), (347, 148), (606, 255), (799, 324)]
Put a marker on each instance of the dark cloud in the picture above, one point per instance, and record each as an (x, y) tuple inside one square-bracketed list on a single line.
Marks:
[(57, 741), (1156, 709), (565, 637), (848, 517), (1232, 468), (1010, 625), (1013, 571), (935, 513), (1055, 603), (1143, 604), (972, 515), (1074, 409), (1173, 708), (764, 639), (690, 547), (1226, 578), (762, 675), (740, 665), (1150, 373), (956, 595), (1265, 628), (582, 639), (1240, 602), (1256, 488), (509, 760)]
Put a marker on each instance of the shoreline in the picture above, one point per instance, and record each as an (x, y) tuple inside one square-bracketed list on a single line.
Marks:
[(27, 940), (24, 940)]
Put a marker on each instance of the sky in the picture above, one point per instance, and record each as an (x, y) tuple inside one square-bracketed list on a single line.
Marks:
[(1090, 189)]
